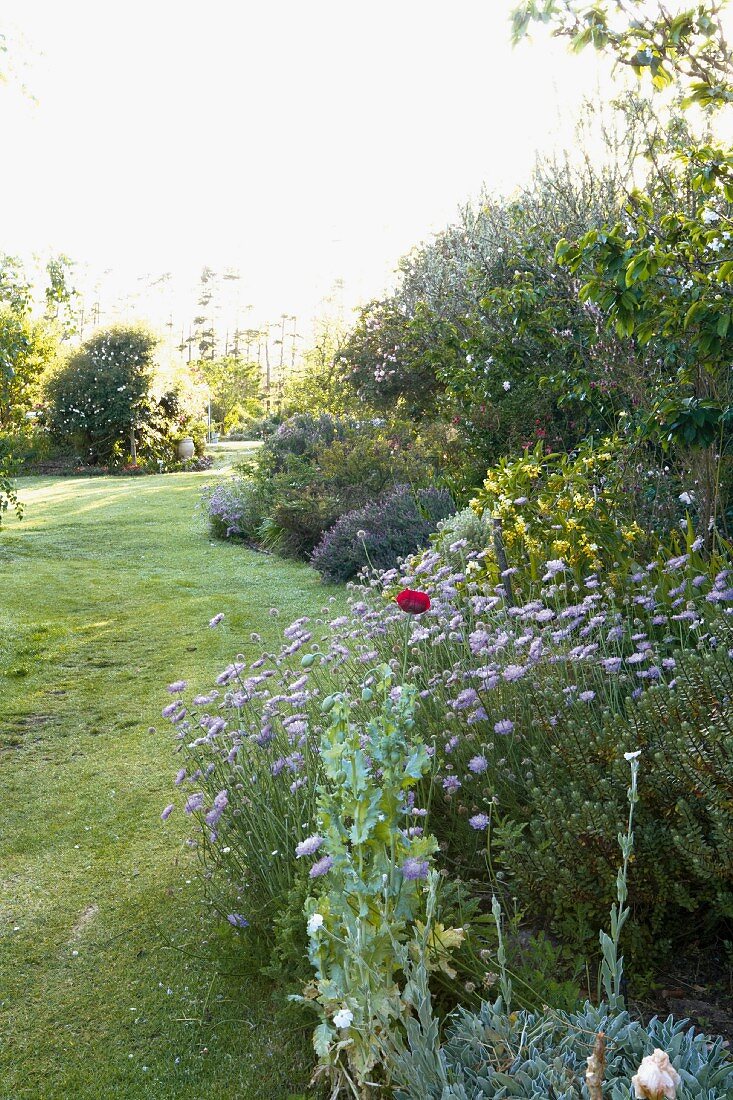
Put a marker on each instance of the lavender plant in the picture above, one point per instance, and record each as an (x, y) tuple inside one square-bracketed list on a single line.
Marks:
[(381, 533)]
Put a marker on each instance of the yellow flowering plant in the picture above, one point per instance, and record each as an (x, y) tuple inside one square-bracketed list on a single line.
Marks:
[(561, 507)]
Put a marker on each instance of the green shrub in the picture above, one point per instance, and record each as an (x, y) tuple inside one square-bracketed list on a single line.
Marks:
[(313, 469), (569, 791)]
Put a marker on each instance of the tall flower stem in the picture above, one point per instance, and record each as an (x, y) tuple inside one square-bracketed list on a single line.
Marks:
[(612, 967)]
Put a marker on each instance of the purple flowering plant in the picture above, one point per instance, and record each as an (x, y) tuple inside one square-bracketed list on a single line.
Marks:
[(508, 685)]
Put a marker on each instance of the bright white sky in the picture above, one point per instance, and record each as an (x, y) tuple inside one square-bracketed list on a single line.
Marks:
[(298, 141)]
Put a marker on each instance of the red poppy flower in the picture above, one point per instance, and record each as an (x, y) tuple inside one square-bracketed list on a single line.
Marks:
[(414, 603)]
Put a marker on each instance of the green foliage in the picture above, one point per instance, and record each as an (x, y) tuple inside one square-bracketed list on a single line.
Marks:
[(662, 273), (8, 495), (27, 349), (103, 394), (687, 47), (490, 1054), (572, 791), (28, 346), (321, 383)]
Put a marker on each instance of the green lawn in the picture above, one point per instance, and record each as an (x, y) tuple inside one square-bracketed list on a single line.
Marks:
[(115, 979)]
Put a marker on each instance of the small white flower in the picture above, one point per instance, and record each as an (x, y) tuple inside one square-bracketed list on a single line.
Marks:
[(314, 923), (507, 386), (710, 216), (632, 755), (685, 498), (656, 1078), (344, 1018)]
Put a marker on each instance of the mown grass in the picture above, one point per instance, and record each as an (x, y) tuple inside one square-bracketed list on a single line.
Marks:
[(116, 980)]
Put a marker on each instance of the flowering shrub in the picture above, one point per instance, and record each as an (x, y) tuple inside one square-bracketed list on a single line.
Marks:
[(560, 506), (311, 471), (233, 509), (381, 532)]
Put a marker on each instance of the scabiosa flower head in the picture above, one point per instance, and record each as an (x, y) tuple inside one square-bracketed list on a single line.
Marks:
[(553, 567), (412, 601), (479, 822), (216, 620), (237, 920), (180, 776), (514, 672), (321, 867), (167, 811), (503, 726), (587, 696), (451, 784), (309, 846), (478, 764), (177, 687), (414, 868), (194, 802), (467, 698)]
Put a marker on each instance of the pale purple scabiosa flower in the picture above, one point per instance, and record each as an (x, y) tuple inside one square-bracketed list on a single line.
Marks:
[(321, 867), (167, 811), (220, 804), (479, 822), (309, 846), (466, 698), (478, 764), (216, 620), (414, 868), (177, 687), (553, 567), (587, 696), (503, 726), (194, 802), (237, 920)]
